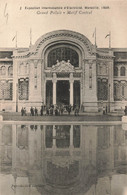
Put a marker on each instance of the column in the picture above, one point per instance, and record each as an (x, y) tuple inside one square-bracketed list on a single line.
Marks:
[(54, 92), (54, 88), (54, 137), (126, 71), (71, 136), (71, 89), (71, 140), (119, 71), (44, 91)]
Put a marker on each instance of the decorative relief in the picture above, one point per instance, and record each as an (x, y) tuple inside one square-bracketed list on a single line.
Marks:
[(90, 76), (102, 68), (23, 68), (83, 39), (36, 62), (63, 67), (67, 34)]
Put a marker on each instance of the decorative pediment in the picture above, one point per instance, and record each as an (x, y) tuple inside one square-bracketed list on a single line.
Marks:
[(63, 66)]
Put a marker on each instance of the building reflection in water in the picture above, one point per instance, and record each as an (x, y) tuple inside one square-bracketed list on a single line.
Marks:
[(63, 159)]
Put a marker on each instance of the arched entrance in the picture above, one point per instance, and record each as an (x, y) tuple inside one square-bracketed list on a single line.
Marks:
[(63, 88), (63, 70)]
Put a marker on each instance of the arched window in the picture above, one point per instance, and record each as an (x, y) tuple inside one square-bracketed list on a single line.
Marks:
[(10, 71), (115, 71), (122, 71), (63, 53), (3, 70)]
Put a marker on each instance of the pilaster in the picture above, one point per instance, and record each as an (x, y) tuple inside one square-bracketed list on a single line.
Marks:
[(110, 86), (15, 84), (90, 86), (35, 90)]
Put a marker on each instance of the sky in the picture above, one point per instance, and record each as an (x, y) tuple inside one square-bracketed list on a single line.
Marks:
[(15, 18)]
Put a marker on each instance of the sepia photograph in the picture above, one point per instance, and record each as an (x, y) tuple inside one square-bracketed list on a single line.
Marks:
[(63, 97)]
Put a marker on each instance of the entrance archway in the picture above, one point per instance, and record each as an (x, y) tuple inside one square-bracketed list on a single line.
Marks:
[(63, 92)]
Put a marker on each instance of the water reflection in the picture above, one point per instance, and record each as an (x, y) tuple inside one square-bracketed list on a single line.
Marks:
[(63, 159)]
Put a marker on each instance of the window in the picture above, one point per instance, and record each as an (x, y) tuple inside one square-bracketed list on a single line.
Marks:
[(10, 71), (122, 71), (63, 53), (115, 71), (3, 70)]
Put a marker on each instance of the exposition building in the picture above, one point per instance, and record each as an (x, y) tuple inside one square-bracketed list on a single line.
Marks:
[(63, 67)]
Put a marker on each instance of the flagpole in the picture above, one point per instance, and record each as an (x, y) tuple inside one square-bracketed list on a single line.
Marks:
[(95, 38), (16, 40), (30, 37), (109, 40)]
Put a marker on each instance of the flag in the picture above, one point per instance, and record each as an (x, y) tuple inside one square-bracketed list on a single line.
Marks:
[(107, 36), (94, 33), (14, 38)]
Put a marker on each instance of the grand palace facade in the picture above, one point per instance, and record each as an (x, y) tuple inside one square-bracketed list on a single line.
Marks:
[(63, 67)]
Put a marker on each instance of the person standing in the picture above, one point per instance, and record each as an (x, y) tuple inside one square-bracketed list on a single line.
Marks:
[(22, 111), (103, 110), (31, 111), (125, 110), (69, 109), (36, 111), (41, 111)]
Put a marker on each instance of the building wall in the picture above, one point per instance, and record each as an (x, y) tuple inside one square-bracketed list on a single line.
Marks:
[(102, 73)]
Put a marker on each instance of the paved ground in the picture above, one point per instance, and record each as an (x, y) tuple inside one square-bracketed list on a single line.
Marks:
[(17, 117)]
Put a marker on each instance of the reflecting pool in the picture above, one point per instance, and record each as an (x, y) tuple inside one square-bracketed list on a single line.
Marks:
[(68, 159)]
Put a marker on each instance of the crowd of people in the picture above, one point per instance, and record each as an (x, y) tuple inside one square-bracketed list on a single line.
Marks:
[(56, 110)]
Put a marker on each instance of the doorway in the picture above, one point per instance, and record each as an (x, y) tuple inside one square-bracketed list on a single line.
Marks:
[(63, 92)]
